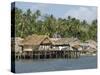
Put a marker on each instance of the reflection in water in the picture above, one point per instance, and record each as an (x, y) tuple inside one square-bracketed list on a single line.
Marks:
[(42, 65)]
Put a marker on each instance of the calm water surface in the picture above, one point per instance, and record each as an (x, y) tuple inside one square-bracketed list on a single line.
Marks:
[(86, 62)]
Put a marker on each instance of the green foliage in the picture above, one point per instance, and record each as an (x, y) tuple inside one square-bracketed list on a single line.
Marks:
[(28, 22)]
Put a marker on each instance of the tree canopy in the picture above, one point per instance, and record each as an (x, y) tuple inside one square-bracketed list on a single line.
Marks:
[(28, 22)]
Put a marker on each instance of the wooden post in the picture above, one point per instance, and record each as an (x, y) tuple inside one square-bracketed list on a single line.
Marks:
[(64, 55), (75, 54), (18, 56), (68, 54), (71, 54), (38, 54), (45, 54), (56, 54), (50, 55)]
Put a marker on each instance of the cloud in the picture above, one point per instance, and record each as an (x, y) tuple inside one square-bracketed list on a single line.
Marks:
[(83, 13)]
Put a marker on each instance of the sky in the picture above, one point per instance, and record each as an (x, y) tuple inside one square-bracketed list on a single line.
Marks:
[(87, 13)]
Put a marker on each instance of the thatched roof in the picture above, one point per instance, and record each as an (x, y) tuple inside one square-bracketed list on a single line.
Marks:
[(60, 41), (36, 40), (76, 46), (72, 43), (91, 42), (64, 41)]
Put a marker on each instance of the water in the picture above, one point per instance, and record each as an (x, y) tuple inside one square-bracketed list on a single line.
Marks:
[(86, 62)]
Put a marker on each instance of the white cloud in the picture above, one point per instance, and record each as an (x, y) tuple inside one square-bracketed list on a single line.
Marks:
[(82, 13)]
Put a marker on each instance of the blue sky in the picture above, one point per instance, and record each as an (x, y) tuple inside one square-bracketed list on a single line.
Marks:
[(88, 13)]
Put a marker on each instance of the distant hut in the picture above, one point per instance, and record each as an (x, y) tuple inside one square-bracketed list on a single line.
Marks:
[(91, 42), (15, 42), (60, 44), (90, 46), (66, 43)]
